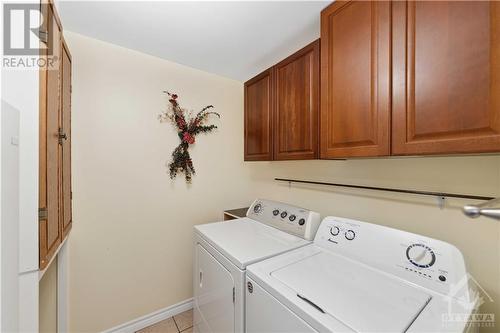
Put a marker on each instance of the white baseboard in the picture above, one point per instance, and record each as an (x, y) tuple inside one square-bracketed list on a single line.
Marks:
[(152, 318)]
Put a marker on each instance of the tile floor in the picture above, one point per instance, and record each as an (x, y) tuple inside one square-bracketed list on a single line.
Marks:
[(183, 322)]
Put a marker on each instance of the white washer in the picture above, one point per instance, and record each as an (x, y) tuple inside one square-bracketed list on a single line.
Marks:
[(222, 251), (360, 277)]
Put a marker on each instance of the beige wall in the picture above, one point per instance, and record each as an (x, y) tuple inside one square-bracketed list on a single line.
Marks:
[(479, 240), (48, 300), (130, 248)]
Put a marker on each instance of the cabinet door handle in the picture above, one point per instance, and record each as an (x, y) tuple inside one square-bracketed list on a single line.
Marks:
[(62, 136)]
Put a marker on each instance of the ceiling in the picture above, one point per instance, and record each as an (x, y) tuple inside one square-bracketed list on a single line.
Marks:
[(234, 39)]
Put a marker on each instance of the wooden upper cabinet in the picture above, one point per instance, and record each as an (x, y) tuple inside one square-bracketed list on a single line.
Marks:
[(297, 105), (49, 227), (355, 79), (446, 77), (55, 139), (282, 109), (65, 142), (258, 117)]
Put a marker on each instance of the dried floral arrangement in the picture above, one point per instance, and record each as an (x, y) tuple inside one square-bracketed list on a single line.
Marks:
[(187, 129)]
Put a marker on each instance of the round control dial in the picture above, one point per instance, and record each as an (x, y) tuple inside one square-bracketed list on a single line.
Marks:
[(284, 214), (302, 221), (349, 235), (292, 217), (257, 208), (420, 255), (334, 231), (276, 212)]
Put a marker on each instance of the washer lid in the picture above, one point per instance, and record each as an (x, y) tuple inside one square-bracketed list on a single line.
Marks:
[(358, 296), (245, 241)]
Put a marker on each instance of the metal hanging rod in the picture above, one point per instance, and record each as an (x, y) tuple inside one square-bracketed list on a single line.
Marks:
[(428, 193)]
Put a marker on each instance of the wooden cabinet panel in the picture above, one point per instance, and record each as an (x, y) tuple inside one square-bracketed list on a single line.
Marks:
[(297, 105), (66, 143), (55, 139), (355, 79), (49, 228), (446, 77), (258, 117)]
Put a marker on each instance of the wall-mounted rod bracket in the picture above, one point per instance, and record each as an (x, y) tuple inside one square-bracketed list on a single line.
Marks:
[(441, 202)]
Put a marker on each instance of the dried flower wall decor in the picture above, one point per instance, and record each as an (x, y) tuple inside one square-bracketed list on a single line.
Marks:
[(187, 129)]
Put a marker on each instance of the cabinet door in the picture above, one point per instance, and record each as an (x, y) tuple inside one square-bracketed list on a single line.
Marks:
[(49, 230), (65, 181), (355, 79), (297, 105), (446, 77), (258, 117)]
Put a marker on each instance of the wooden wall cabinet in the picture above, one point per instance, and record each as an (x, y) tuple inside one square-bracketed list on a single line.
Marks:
[(281, 109), (355, 79), (259, 117), (443, 61), (54, 141), (296, 105), (446, 77)]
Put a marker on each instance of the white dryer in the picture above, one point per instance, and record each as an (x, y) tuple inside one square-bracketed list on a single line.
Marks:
[(222, 251), (360, 277)]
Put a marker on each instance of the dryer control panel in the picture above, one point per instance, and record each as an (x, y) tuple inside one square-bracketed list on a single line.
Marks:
[(427, 262), (292, 219)]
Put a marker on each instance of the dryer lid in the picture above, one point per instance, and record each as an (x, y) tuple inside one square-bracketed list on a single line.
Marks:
[(245, 241), (360, 297)]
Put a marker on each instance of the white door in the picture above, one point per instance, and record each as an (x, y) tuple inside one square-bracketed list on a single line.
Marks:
[(213, 295), (264, 313), (9, 230)]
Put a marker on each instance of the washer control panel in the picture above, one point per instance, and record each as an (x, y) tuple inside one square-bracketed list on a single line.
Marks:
[(340, 232), (292, 219), (424, 261)]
